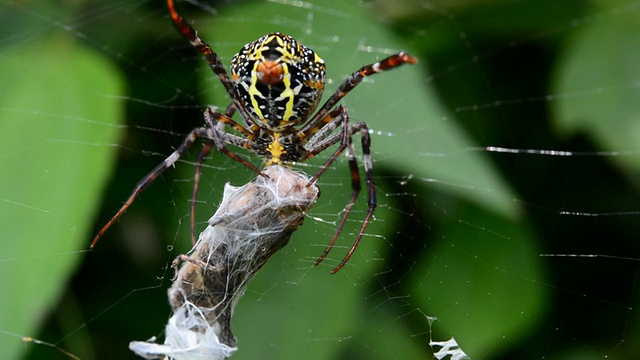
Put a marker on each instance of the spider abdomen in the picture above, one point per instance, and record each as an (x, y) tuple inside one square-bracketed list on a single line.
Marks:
[(279, 80)]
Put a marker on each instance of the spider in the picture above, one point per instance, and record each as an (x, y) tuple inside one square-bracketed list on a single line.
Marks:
[(276, 83)]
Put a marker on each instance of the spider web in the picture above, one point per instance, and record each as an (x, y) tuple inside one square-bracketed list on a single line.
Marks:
[(506, 163)]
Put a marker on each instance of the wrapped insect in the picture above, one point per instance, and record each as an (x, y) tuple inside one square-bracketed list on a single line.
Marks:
[(251, 224)]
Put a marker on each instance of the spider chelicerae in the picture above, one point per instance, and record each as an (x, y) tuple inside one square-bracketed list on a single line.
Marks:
[(276, 83)]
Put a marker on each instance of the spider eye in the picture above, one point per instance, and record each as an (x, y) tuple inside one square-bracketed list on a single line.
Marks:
[(279, 80)]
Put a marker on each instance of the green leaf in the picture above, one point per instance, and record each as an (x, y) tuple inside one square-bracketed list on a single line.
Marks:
[(483, 284), (597, 84), (58, 125)]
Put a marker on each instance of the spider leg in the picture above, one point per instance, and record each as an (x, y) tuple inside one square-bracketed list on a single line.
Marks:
[(196, 183), (151, 176), (345, 143), (212, 58), (219, 137), (323, 138), (335, 118), (372, 200), (393, 61)]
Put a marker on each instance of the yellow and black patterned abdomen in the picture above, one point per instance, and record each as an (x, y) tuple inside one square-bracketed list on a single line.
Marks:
[(279, 80)]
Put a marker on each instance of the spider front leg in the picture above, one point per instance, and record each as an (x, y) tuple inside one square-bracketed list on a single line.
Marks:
[(218, 139), (349, 84), (206, 148), (150, 177), (336, 118), (212, 58)]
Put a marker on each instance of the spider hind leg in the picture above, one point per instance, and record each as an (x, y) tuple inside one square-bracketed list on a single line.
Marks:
[(323, 139)]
